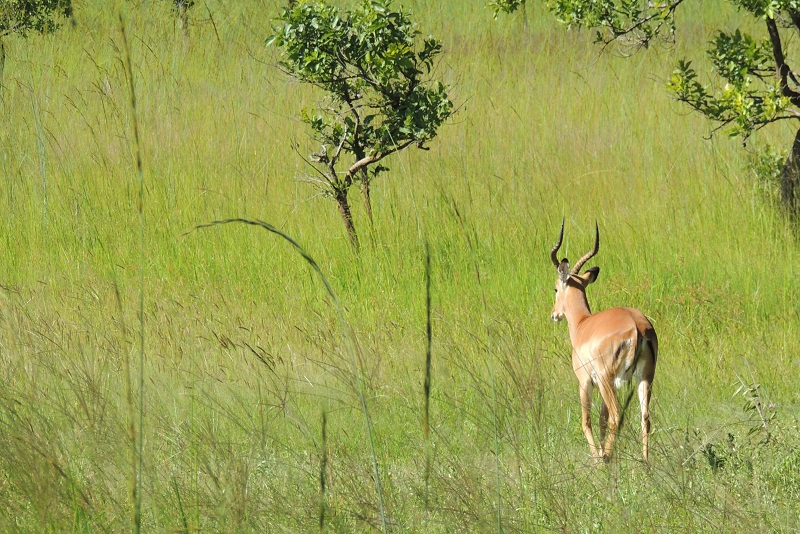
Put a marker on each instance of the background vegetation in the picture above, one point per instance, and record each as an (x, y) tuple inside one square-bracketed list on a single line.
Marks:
[(247, 358)]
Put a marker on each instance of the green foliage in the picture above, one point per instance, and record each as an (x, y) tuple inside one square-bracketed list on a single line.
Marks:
[(750, 98), (766, 165), (766, 8), (377, 76), (753, 84), (740, 107), (23, 16), (739, 455), (738, 55), (631, 22), (505, 6)]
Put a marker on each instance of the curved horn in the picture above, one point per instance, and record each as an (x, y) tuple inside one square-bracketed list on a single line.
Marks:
[(558, 245), (591, 254)]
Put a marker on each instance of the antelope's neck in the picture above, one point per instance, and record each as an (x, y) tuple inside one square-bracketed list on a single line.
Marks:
[(577, 311)]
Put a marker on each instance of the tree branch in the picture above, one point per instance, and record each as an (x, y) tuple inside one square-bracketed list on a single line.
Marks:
[(669, 8), (789, 115), (658, 12), (332, 161), (795, 16), (782, 69), (369, 160), (356, 141)]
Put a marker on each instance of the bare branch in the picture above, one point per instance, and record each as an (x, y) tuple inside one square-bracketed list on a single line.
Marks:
[(311, 164), (338, 149), (788, 115), (323, 185)]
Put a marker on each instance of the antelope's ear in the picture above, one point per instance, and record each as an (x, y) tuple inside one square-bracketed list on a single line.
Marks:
[(563, 271), (591, 275)]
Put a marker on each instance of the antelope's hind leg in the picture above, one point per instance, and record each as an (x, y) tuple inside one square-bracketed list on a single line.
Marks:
[(586, 421), (645, 388), (611, 409), (603, 421)]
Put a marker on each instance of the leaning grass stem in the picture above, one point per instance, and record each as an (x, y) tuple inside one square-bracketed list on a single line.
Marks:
[(36, 108), (495, 408), (348, 337), (323, 468), (184, 522), (490, 362), (2, 62), (427, 384), (137, 512), (130, 422)]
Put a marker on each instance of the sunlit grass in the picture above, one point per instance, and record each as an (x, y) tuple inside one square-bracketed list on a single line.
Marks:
[(244, 351)]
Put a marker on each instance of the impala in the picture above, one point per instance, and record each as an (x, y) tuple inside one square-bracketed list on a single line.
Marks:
[(608, 349)]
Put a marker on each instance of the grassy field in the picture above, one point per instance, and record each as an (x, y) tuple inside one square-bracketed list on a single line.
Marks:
[(254, 386)]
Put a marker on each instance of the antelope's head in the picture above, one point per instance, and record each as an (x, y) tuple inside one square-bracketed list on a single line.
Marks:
[(569, 280)]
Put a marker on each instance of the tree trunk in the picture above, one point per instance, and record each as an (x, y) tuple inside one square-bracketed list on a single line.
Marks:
[(66, 8), (524, 18), (183, 17), (344, 209), (2, 60), (790, 179), (364, 177), (365, 192)]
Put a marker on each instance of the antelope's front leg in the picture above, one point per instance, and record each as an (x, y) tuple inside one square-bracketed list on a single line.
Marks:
[(586, 421)]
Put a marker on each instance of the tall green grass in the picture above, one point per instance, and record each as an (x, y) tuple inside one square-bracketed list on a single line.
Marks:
[(244, 353)]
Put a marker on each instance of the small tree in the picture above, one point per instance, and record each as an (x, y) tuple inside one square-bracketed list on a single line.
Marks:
[(24, 16), (380, 95), (752, 83)]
